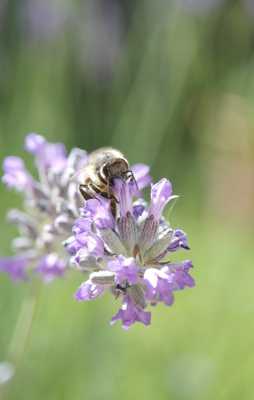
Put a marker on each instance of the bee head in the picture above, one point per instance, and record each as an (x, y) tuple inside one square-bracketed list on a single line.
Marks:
[(115, 168)]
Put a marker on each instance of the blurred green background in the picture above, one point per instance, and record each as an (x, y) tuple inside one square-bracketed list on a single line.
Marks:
[(170, 84)]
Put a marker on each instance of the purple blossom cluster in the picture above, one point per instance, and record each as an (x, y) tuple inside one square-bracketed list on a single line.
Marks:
[(126, 252), (51, 204), (123, 244)]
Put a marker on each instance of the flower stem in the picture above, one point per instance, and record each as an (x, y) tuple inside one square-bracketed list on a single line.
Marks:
[(23, 330)]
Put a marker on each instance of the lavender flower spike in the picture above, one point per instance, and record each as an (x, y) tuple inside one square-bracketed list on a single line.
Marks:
[(134, 246), (15, 267), (51, 204), (15, 174)]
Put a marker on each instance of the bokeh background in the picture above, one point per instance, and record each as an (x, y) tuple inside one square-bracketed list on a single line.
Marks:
[(171, 84)]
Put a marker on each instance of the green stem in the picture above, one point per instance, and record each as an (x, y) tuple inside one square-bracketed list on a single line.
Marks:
[(23, 330)]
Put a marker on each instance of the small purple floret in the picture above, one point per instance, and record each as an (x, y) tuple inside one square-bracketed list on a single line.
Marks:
[(125, 269), (129, 313), (88, 291), (98, 211), (48, 155), (179, 240), (161, 194), (15, 174), (15, 267), (51, 267), (34, 143), (159, 286), (142, 176), (181, 275), (124, 195)]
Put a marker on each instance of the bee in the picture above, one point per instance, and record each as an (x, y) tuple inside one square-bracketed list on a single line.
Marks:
[(97, 177)]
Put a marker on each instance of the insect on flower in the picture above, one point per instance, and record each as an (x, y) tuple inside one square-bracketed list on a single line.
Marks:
[(120, 240), (103, 167), (127, 253), (50, 204)]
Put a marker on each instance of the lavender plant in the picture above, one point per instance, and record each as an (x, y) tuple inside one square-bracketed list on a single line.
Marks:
[(127, 254), (124, 249), (50, 206)]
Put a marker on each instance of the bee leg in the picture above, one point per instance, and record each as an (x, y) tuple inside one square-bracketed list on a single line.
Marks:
[(110, 193), (86, 191), (113, 200), (113, 208)]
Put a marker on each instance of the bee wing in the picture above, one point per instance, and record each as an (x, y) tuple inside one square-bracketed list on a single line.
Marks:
[(81, 175), (86, 175)]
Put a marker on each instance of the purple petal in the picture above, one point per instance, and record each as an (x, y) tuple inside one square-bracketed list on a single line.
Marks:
[(87, 242), (165, 292), (99, 212), (91, 243), (48, 155), (159, 286), (125, 270), (138, 208), (129, 313), (89, 291), (182, 278), (141, 174), (51, 267), (151, 277), (15, 267), (82, 225), (43, 20), (179, 275), (34, 143), (179, 240), (15, 174), (161, 194), (123, 192), (72, 245)]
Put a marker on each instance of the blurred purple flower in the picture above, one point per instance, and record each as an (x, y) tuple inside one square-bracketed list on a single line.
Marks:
[(249, 6), (50, 267), (51, 205), (100, 36), (15, 174), (48, 155), (15, 266), (44, 20)]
